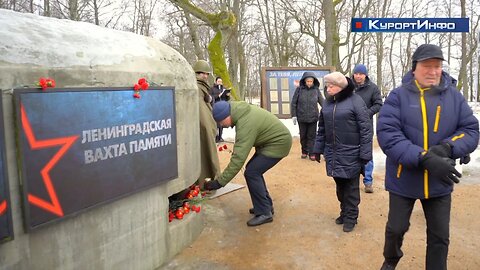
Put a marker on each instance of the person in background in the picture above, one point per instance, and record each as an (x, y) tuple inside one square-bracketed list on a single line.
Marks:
[(210, 165), (304, 110), (372, 97), (218, 92), (422, 127), (254, 127), (344, 137)]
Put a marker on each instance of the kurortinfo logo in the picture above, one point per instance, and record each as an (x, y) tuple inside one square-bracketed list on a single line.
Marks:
[(410, 25)]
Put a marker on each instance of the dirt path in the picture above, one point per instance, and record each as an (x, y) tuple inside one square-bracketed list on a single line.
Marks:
[(304, 235)]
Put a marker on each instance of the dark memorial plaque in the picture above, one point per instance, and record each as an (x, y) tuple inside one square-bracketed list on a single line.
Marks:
[(6, 229), (279, 84), (83, 147)]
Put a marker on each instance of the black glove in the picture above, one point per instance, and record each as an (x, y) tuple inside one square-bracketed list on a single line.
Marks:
[(441, 167), (465, 159), (317, 157), (363, 163), (212, 185), (442, 150)]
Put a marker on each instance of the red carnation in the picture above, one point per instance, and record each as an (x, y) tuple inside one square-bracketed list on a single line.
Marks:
[(142, 81), (42, 81), (45, 83), (141, 85), (225, 147), (220, 149), (50, 83), (144, 86)]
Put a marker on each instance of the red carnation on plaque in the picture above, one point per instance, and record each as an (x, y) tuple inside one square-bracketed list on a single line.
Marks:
[(142, 84), (45, 83)]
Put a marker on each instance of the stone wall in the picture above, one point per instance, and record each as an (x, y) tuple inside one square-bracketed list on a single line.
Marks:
[(129, 233)]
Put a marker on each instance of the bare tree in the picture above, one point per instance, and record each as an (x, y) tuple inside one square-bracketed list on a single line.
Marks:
[(223, 23), (97, 7)]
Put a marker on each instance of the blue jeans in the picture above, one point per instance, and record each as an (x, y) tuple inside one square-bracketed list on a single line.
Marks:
[(368, 179)]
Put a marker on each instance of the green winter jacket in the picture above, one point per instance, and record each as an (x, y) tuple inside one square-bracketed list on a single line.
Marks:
[(255, 127)]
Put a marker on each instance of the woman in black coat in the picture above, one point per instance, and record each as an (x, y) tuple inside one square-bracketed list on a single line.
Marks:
[(304, 110), (344, 138)]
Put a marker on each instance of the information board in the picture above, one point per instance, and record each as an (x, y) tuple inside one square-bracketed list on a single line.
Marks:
[(6, 229), (80, 148), (279, 84)]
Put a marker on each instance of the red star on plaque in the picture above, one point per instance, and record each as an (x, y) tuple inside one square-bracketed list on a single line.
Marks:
[(53, 205), (3, 207)]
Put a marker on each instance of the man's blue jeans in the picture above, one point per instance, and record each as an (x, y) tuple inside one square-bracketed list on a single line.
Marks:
[(368, 179)]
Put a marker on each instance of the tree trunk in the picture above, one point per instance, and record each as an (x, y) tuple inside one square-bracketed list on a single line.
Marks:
[(73, 10), (95, 12), (46, 8), (193, 35), (222, 23), (462, 76), (332, 39)]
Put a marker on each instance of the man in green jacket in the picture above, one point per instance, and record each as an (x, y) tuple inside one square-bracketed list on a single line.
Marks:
[(254, 127)]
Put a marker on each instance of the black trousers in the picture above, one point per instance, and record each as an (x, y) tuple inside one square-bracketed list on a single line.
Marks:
[(437, 215), (348, 194), (219, 133), (308, 132), (256, 167)]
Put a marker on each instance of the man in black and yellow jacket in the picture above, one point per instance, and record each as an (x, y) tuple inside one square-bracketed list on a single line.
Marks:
[(254, 127), (423, 126)]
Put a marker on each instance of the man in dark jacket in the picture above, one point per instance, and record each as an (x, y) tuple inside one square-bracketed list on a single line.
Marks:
[(304, 110), (345, 139), (370, 94), (423, 126)]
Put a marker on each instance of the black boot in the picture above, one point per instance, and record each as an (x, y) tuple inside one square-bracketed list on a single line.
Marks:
[(259, 220)]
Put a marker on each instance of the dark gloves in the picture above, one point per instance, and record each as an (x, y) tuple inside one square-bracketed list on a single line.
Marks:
[(212, 185), (445, 150), (442, 150), (465, 159), (440, 167), (317, 157)]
